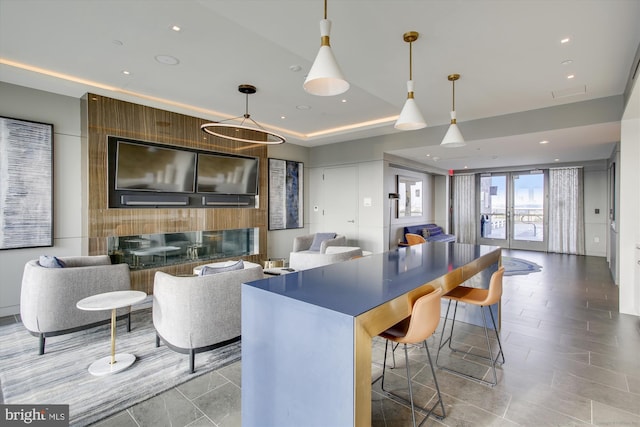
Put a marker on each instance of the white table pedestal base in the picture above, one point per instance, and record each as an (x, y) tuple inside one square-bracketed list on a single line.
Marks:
[(103, 366)]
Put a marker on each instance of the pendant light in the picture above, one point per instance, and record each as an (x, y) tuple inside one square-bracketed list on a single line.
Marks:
[(255, 134), (453, 138), (410, 116), (325, 77)]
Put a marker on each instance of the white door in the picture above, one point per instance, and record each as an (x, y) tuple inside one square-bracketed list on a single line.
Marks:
[(340, 213)]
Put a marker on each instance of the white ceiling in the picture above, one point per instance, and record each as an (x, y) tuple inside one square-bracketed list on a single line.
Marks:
[(508, 53)]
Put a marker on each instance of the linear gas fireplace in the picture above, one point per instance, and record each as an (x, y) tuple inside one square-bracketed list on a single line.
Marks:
[(159, 250)]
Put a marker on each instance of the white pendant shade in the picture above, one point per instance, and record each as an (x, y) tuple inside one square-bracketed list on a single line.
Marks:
[(325, 77), (453, 138), (410, 117)]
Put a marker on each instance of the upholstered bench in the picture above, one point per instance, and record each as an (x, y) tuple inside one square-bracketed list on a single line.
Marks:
[(431, 232)]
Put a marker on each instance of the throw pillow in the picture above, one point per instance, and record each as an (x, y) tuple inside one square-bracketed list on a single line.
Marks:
[(206, 270), (425, 233), (319, 238), (49, 261)]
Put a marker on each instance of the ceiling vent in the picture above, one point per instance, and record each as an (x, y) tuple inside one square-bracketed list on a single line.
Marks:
[(572, 91)]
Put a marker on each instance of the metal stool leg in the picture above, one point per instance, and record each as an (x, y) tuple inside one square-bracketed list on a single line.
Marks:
[(491, 359), (425, 411)]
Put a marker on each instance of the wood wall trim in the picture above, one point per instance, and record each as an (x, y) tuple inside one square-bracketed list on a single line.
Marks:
[(111, 117)]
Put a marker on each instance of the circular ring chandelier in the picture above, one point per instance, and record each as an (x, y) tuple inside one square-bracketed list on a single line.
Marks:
[(242, 132)]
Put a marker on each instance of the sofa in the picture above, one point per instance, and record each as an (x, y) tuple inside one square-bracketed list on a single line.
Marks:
[(431, 232), (194, 314), (318, 242), (306, 259), (49, 295)]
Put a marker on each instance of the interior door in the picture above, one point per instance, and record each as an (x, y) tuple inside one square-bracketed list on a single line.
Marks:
[(513, 210), (340, 211)]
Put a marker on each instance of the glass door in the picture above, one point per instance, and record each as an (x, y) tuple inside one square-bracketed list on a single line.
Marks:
[(512, 210), (493, 210)]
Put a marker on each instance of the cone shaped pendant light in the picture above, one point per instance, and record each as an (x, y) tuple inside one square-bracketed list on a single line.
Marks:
[(325, 77), (453, 138), (410, 116)]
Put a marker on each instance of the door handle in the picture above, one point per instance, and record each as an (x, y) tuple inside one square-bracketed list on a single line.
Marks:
[(352, 221)]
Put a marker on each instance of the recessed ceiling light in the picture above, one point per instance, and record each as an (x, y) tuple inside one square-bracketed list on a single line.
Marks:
[(283, 117), (565, 40), (567, 62), (167, 59), (544, 142), (466, 167), (175, 28), (126, 73), (428, 155), (343, 101), (556, 160), (571, 76)]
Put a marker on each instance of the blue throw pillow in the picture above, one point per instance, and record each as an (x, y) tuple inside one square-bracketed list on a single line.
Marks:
[(49, 261), (207, 269), (319, 238)]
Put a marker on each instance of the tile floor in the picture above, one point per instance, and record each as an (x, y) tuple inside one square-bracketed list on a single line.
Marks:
[(571, 359)]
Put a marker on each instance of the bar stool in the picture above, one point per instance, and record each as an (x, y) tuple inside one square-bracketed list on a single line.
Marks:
[(424, 319), (483, 298), (414, 239)]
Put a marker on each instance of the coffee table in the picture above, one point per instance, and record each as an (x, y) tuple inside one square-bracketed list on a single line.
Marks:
[(111, 301)]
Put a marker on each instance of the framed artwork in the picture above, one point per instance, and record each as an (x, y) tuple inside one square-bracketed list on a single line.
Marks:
[(410, 192), (26, 184), (286, 183)]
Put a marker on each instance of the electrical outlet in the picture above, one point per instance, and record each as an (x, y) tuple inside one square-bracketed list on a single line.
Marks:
[(596, 239)]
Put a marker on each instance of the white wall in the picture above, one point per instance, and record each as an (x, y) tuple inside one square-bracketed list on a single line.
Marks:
[(595, 197), (428, 203), (629, 218), (64, 113), (370, 230), (370, 216)]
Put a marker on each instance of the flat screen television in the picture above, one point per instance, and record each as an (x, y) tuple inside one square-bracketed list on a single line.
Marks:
[(219, 174), (143, 167), (145, 174)]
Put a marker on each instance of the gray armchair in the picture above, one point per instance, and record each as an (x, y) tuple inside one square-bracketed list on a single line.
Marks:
[(49, 295), (196, 314), (305, 242)]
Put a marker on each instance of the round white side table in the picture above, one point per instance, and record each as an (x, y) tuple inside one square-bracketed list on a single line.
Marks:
[(111, 301)]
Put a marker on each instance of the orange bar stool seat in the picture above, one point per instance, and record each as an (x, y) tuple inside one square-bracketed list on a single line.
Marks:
[(414, 239), (423, 322)]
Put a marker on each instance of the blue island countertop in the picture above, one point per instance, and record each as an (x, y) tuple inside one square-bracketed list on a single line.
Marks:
[(359, 285)]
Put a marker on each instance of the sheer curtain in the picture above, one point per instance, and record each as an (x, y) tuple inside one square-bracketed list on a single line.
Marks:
[(464, 208), (566, 211)]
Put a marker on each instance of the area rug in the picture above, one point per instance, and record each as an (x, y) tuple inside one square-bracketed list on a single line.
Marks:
[(518, 266), (60, 376)]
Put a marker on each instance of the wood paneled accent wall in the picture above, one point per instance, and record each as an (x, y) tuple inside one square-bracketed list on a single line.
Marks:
[(112, 117)]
